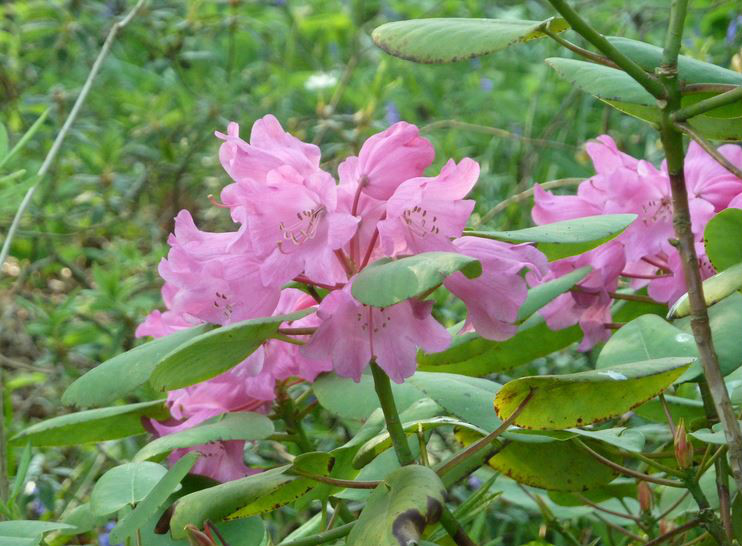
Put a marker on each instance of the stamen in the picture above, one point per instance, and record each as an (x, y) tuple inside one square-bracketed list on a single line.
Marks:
[(216, 203)]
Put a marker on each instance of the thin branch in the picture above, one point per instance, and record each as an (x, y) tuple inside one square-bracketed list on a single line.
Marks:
[(594, 57), (668, 415), (620, 529), (682, 529), (297, 331), (455, 124), (486, 441), (706, 105), (522, 196), (57, 144), (583, 28), (587, 501), (710, 149), (673, 506), (628, 471)]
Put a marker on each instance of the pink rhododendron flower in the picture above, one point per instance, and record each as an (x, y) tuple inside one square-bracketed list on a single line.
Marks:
[(623, 184), (389, 158), (493, 298), (295, 228), (424, 214), (351, 334), (214, 277)]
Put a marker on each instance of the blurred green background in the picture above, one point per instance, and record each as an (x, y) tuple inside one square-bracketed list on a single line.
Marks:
[(82, 271)]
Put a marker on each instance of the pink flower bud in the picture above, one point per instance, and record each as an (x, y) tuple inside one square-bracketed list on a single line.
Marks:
[(683, 447), (645, 496)]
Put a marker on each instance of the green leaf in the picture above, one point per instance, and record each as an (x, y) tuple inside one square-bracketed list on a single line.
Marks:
[(333, 394), (97, 425), (470, 354), (618, 489), (263, 492), (713, 436), (680, 408), (231, 426), (723, 239), (715, 289), (386, 282), (568, 237), (450, 40), (561, 467), (646, 338), (216, 351), (82, 520), (399, 509), (578, 399), (154, 500), (725, 320), (124, 485), (27, 532), (21, 473), (540, 295), (123, 373), (602, 81), (690, 70), (468, 398)]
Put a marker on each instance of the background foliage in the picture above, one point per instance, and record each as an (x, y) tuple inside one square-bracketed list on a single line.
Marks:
[(83, 270)]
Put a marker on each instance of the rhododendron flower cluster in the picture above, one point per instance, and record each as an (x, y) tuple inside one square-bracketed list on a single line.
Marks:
[(296, 224), (643, 255)]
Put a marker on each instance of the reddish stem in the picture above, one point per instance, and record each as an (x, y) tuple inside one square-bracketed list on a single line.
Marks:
[(641, 276)]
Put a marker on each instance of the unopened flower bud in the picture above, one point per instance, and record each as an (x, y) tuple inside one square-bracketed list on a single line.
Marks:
[(683, 447), (644, 494)]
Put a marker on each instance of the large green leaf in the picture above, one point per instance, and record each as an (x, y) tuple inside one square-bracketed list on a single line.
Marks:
[(27, 532), (602, 81), (97, 425), (690, 70), (154, 500), (715, 289), (124, 485), (723, 239), (357, 401), (568, 237), (399, 509), (540, 295), (231, 426), (618, 89), (125, 372), (451, 40), (468, 398), (646, 338), (386, 282), (470, 354), (216, 351), (725, 319), (578, 399), (563, 466), (256, 494)]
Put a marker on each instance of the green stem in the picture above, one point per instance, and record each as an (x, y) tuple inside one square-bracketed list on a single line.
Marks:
[(288, 413), (393, 424), (692, 88), (321, 538), (706, 515), (583, 28), (4, 483), (705, 105), (672, 142), (399, 439)]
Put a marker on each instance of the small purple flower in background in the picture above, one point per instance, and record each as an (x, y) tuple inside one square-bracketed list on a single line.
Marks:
[(486, 84), (104, 537), (474, 482), (733, 28), (392, 113)]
